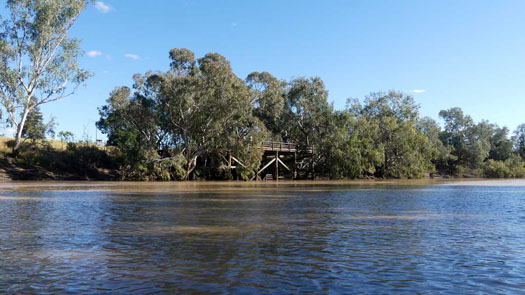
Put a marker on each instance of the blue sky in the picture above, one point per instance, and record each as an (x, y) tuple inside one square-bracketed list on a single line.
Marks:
[(469, 54)]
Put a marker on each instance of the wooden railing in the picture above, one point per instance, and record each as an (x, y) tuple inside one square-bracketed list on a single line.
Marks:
[(283, 147), (278, 146)]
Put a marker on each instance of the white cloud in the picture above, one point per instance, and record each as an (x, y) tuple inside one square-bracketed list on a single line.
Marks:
[(131, 56), (418, 91), (102, 7), (234, 24), (94, 53)]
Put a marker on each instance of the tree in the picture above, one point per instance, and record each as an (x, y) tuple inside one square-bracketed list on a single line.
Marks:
[(352, 149), (454, 136), (35, 128), (196, 110), (432, 131), (267, 97), (310, 121), (206, 109), (478, 143), (131, 121), (404, 149), (500, 144), (66, 136), (519, 138), (38, 61)]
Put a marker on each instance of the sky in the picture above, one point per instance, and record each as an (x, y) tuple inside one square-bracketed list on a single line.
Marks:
[(468, 54)]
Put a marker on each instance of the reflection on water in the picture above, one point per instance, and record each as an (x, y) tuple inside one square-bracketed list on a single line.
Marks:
[(317, 237)]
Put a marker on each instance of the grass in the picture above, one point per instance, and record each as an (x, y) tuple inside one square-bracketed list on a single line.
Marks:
[(55, 144), (56, 159)]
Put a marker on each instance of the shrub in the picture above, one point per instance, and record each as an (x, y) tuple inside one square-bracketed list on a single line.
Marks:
[(496, 169), (516, 166)]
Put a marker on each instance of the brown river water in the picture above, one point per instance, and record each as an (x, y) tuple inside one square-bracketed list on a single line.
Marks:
[(412, 237)]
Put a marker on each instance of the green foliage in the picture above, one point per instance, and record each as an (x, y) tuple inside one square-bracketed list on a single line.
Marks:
[(309, 120), (516, 166), (35, 128), (197, 109), (388, 135), (469, 143), (66, 136), (185, 123), (267, 95), (513, 167), (519, 139), (495, 169), (500, 144), (38, 62)]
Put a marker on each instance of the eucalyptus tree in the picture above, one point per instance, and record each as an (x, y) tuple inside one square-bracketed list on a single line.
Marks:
[(454, 135), (432, 131), (205, 110), (131, 121), (66, 136), (267, 95), (470, 143), (478, 143), (405, 150), (501, 146), (38, 61), (308, 119), (519, 138), (306, 110), (351, 151)]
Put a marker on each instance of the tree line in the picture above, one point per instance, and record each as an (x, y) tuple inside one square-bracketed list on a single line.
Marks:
[(180, 124)]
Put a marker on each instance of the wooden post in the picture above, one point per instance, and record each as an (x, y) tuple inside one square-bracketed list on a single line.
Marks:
[(313, 168), (294, 176), (229, 161), (276, 165)]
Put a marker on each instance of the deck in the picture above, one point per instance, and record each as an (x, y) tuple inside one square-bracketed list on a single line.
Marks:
[(283, 147), (290, 156)]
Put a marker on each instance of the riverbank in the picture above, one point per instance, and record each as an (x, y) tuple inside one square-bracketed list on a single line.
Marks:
[(56, 160), (11, 169)]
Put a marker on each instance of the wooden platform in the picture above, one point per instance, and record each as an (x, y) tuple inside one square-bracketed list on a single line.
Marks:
[(290, 156), (283, 147)]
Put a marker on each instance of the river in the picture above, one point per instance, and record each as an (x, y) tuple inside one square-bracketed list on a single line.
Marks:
[(413, 237)]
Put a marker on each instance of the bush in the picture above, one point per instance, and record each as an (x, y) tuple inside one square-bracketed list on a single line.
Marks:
[(153, 167), (496, 169), (516, 166)]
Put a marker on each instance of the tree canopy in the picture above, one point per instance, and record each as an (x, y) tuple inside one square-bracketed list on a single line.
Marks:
[(38, 61), (185, 122)]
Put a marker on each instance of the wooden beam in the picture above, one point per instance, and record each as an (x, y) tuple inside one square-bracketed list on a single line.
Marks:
[(277, 165), (284, 164), (226, 160), (294, 173), (240, 163), (266, 166)]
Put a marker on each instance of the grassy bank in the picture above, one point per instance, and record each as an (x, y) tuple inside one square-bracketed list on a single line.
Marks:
[(57, 160)]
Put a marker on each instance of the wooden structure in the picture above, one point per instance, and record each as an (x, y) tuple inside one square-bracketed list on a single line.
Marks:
[(276, 154)]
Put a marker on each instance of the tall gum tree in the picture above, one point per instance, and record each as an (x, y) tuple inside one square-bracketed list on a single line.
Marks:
[(38, 61), (206, 109)]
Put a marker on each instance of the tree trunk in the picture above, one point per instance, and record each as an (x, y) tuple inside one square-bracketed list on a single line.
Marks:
[(20, 128), (191, 166)]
